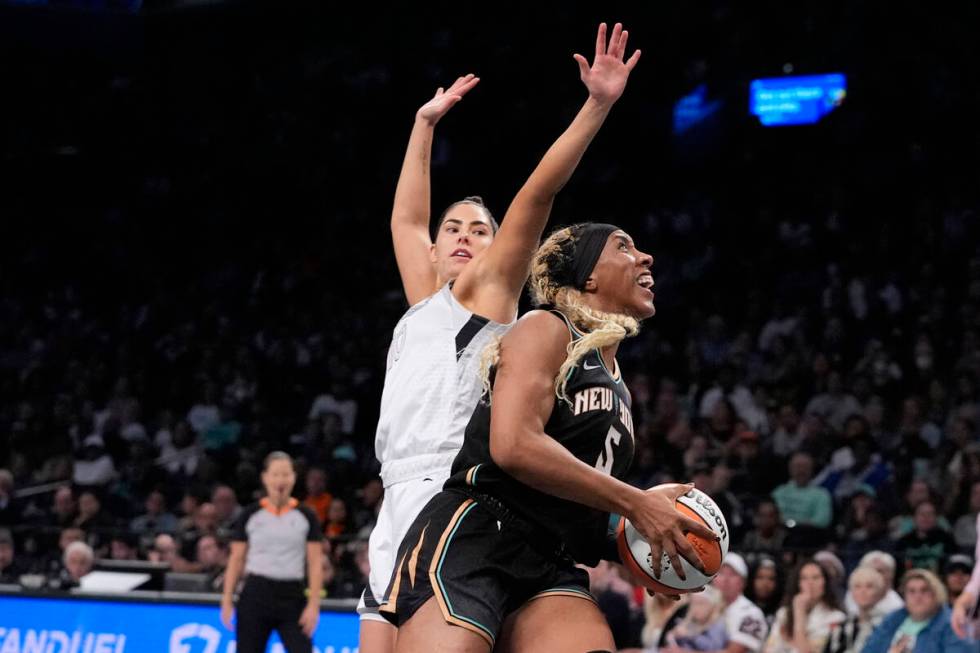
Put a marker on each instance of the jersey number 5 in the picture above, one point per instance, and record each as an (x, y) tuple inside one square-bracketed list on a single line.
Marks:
[(605, 461)]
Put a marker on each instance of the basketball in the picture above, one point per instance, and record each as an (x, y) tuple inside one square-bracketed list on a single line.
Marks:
[(634, 551)]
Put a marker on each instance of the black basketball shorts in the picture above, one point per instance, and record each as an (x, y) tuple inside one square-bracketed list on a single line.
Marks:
[(476, 558)]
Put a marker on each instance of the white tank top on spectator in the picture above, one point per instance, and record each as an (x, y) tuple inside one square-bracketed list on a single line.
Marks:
[(432, 385)]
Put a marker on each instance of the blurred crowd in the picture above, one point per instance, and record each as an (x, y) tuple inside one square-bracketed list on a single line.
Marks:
[(212, 281)]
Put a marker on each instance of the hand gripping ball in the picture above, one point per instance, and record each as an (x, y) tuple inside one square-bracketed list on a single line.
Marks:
[(635, 553)]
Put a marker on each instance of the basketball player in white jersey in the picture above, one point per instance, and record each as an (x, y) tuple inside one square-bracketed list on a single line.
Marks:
[(463, 290)]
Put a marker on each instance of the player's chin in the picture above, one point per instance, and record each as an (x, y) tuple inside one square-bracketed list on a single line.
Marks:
[(642, 306)]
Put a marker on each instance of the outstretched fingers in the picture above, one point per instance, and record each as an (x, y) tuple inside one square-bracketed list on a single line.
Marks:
[(631, 62), (465, 82), (600, 40), (466, 86), (583, 65), (614, 41)]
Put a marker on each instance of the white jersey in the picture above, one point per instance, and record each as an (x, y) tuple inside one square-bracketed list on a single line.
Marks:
[(432, 385), (746, 624)]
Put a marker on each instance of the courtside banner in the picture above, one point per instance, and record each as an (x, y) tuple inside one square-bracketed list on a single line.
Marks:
[(80, 625)]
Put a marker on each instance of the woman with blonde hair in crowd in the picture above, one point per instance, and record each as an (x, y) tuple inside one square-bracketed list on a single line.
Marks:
[(923, 625), (810, 611), (867, 587), (703, 629)]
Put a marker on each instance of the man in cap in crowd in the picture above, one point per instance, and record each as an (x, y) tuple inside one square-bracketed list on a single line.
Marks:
[(956, 574)]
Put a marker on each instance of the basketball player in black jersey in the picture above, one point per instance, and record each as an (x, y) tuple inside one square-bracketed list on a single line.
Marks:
[(490, 561)]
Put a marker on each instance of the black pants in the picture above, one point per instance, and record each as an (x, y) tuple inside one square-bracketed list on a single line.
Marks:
[(266, 605)]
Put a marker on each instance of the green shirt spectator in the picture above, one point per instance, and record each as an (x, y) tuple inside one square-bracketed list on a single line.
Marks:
[(800, 502)]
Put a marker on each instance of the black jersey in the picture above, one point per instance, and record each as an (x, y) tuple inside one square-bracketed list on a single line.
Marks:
[(595, 425)]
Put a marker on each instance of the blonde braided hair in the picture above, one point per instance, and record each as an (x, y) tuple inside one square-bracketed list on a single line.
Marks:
[(599, 329)]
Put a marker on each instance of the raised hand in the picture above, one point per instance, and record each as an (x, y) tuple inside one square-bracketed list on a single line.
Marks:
[(606, 78), (440, 104)]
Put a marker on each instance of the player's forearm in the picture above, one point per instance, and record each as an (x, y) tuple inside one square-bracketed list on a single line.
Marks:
[(544, 464), (411, 207), (561, 159)]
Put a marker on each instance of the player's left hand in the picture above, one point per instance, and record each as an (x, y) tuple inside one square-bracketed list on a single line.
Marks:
[(309, 619), (606, 78)]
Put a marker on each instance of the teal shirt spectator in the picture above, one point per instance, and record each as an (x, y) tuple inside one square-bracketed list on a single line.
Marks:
[(806, 505), (936, 637)]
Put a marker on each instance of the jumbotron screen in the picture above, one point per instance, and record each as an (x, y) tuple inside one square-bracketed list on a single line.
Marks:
[(800, 100)]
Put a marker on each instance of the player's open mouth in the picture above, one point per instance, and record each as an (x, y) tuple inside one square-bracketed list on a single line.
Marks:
[(462, 254), (645, 280)]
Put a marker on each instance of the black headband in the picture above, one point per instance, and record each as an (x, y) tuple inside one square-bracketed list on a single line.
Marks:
[(589, 243)]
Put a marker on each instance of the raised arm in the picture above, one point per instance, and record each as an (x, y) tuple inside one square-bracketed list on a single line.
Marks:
[(492, 284), (410, 214), (523, 397)]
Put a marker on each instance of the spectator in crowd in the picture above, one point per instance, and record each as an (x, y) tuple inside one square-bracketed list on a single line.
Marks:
[(768, 534), (835, 405), (226, 506), (956, 575), (903, 524), (789, 433), (745, 625), (317, 497), (703, 628), (181, 455), (867, 587), (836, 574), (923, 625), (205, 414), (927, 545), (885, 565), (799, 502), (9, 510), (165, 550), (765, 587), (338, 403), (10, 571), (155, 519), (660, 612), (810, 611), (368, 506), (211, 559), (727, 388), (63, 508), (54, 562), (124, 546), (964, 617), (754, 470), (337, 521), (205, 522), (614, 596), (78, 561), (965, 527), (93, 466), (92, 519)]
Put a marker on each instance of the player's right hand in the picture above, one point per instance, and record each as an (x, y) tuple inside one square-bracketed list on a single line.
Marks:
[(227, 615), (440, 104), (664, 527)]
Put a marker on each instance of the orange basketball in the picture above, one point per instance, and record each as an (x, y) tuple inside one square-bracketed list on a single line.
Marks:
[(634, 551)]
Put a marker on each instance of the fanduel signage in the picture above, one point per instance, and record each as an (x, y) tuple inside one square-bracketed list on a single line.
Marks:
[(55, 625)]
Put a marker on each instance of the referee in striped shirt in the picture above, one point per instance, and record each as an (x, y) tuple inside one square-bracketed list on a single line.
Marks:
[(277, 542)]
